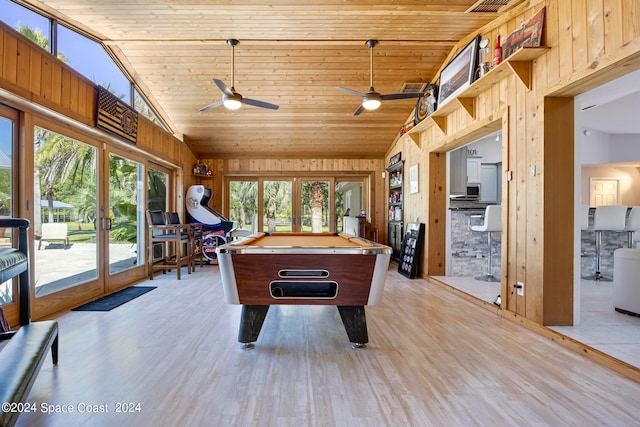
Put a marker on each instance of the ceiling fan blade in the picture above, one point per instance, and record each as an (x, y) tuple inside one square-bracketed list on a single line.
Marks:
[(352, 92), (210, 106), (260, 104), (358, 111), (405, 95), (223, 87)]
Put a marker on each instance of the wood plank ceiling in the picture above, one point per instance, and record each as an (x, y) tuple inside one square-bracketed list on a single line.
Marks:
[(292, 53)]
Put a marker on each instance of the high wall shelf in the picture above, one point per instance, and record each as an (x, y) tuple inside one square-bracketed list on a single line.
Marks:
[(520, 63)]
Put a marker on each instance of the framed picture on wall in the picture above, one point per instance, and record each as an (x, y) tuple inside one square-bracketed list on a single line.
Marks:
[(529, 35), (413, 179), (458, 74)]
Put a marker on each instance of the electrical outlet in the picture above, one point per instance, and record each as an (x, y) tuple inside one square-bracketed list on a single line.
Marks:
[(520, 287)]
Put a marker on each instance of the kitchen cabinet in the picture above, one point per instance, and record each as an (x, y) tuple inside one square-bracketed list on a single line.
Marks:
[(474, 170), (489, 183), (458, 171)]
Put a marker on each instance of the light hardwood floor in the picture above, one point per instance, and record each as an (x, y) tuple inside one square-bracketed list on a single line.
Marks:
[(434, 359), (601, 327)]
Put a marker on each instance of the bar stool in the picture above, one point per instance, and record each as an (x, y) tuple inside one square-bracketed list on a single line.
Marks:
[(606, 218), (585, 217), (492, 222), (194, 237), (172, 239), (633, 224), (584, 214)]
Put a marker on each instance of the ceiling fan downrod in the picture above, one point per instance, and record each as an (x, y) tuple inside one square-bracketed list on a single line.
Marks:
[(371, 43), (233, 43)]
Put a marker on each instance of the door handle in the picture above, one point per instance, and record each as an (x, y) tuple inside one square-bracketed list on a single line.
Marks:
[(106, 224)]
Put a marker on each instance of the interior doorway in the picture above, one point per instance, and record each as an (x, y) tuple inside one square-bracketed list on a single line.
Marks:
[(474, 181), (607, 154)]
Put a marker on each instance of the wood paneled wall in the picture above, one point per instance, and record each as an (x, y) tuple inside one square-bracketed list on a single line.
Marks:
[(590, 43)]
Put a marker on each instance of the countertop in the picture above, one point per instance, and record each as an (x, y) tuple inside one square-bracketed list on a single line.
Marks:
[(466, 205)]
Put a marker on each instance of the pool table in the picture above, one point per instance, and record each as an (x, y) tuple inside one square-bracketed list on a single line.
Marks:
[(303, 269)]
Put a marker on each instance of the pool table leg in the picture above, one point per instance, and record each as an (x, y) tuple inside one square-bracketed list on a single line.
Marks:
[(355, 323), (251, 322)]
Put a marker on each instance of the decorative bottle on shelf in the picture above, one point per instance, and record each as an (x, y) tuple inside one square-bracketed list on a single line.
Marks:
[(497, 52)]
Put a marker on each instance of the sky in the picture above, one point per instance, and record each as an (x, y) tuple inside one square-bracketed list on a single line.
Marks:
[(5, 135), (83, 54)]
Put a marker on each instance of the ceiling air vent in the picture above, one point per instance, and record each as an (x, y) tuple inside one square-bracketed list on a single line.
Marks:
[(413, 87), (488, 6)]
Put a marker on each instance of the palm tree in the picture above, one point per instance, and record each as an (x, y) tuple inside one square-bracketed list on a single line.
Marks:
[(317, 203), (277, 202), (243, 203), (36, 36)]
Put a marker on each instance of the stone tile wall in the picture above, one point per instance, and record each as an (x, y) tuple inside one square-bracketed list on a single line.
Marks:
[(469, 248)]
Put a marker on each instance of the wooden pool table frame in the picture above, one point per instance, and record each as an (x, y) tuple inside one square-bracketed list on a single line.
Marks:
[(303, 269)]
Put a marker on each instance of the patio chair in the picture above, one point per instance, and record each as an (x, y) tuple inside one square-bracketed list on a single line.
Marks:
[(54, 231), (174, 239)]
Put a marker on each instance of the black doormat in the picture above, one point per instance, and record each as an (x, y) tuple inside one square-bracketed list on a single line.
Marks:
[(115, 299)]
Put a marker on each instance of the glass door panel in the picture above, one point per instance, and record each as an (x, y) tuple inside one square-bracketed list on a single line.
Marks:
[(157, 199), (277, 206), (8, 126), (349, 201), (157, 190), (125, 217), (243, 206), (65, 186), (314, 206)]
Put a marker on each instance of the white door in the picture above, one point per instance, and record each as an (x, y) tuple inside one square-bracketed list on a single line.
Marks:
[(603, 192)]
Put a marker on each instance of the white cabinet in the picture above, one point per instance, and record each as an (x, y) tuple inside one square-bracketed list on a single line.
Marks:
[(489, 183), (458, 171), (474, 170)]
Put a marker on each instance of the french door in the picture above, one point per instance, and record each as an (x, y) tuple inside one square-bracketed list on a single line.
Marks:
[(284, 204), (8, 197), (123, 218), (88, 219), (294, 204)]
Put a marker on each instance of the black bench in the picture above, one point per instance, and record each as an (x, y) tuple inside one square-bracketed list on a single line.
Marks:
[(24, 353)]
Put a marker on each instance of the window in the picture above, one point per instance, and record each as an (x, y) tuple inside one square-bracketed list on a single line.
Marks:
[(29, 23), (142, 106), (243, 204), (349, 200), (91, 60)]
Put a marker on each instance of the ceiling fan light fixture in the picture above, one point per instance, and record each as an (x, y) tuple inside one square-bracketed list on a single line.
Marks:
[(371, 104), (232, 102), (371, 100)]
